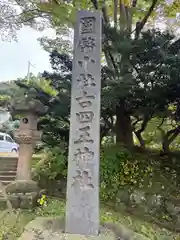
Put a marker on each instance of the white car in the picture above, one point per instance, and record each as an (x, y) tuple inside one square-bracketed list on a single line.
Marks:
[(7, 144)]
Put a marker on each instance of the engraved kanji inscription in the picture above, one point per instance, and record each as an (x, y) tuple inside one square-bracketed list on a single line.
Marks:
[(84, 63), (84, 117), (83, 180), (85, 100), (83, 156), (84, 135), (87, 25), (87, 44), (86, 80)]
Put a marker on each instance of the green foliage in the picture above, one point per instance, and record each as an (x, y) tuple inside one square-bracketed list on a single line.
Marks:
[(144, 89), (42, 200), (52, 167), (12, 224), (4, 100), (121, 168), (11, 91), (9, 127), (52, 208), (44, 84), (53, 90), (124, 169)]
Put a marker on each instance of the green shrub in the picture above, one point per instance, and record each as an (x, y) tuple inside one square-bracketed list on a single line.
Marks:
[(52, 167), (122, 168), (119, 168)]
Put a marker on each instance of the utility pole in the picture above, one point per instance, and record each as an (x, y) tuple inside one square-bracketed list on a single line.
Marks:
[(28, 73)]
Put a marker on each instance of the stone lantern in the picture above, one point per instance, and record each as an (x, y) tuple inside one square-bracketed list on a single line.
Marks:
[(24, 192), (27, 135)]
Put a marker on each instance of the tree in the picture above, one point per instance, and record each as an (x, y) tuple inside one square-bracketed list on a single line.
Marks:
[(153, 86), (63, 15), (55, 123), (55, 97), (122, 29)]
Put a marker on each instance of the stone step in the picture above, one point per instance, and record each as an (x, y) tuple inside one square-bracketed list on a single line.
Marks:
[(8, 164), (9, 173), (5, 182), (8, 161), (7, 177), (8, 168)]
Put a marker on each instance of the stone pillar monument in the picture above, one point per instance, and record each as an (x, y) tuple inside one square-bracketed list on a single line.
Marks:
[(82, 208), (27, 136)]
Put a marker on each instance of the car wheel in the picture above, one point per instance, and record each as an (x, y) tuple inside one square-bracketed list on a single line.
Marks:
[(14, 150)]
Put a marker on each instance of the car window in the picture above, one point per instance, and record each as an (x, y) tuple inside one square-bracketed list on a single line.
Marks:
[(9, 139), (1, 137)]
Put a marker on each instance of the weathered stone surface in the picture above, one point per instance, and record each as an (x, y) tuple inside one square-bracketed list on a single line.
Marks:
[(49, 228), (137, 197), (29, 200), (15, 200), (52, 229), (23, 194), (21, 186), (123, 196), (172, 206), (82, 209), (27, 135)]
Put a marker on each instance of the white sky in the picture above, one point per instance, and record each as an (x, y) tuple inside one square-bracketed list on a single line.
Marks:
[(14, 56)]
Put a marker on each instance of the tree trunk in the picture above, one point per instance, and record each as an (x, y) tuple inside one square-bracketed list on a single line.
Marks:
[(124, 133), (165, 145), (139, 132), (168, 138), (140, 139)]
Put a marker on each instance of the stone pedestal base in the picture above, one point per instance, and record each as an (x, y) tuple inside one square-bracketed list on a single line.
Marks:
[(23, 194), (49, 228), (52, 228)]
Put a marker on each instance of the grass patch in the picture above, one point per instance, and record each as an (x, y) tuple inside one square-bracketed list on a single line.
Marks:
[(11, 226)]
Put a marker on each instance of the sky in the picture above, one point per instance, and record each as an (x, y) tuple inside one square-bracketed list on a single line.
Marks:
[(14, 56)]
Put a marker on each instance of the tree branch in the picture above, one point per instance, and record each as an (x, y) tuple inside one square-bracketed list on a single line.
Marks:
[(142, 23), (159, 127), (95, 4), (134, 3), (115, 12), (144, 124)]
